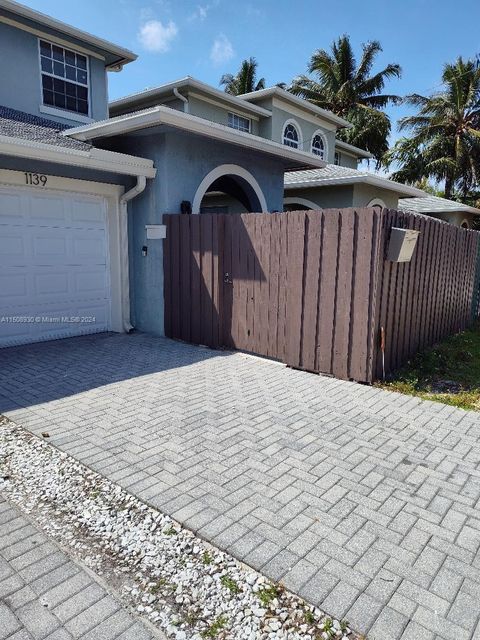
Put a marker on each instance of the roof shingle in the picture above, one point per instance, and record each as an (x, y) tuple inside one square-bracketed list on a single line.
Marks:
[(18, 124)]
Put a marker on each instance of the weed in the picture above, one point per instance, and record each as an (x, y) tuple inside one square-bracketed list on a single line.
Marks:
[(267, 594), (170, 531), (214, 629), (207, 558), (309, 617), (230, 584)]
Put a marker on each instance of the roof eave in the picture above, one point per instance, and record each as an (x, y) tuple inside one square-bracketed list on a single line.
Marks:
[(124, 55), (95, 159), (371, 180), (188, 81), (165, 116), (289, 97)]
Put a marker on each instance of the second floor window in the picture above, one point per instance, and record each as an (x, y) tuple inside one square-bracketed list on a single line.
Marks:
[(318, 145), (290, 136), (337, 158), (238, 122), (64, 78)]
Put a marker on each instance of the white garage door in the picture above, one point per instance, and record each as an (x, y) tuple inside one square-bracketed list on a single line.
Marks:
[(54, 265)]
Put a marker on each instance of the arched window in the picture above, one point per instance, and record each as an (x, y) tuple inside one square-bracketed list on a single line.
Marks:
[(290, 136), (319, 145), (465, 225), (377, 203)]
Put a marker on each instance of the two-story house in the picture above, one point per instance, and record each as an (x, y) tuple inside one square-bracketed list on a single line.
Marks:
[(62, 202), (84, 184)]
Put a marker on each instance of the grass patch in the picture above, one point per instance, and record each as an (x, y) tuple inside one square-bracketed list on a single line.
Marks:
[(268, 594), (230, 584), (449, 372), (215, 628)]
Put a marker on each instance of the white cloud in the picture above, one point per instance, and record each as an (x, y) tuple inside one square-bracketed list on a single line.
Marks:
[(222, 50), (156, 36)]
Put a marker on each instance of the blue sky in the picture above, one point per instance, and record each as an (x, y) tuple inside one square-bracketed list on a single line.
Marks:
[(174, 38)]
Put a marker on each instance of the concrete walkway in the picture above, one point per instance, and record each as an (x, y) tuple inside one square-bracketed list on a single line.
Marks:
[(46, 596), (362, 501)]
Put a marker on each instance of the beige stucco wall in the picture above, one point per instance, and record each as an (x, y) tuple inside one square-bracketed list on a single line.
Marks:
[(456, 217), (358, 195)]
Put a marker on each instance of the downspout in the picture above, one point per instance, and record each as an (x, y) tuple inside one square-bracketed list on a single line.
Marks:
[(186, 107), (124, 200)]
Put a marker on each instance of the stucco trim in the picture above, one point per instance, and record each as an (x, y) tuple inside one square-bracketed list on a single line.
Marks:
[(377, 202), (224, 170), (307, 203), (98, 159)]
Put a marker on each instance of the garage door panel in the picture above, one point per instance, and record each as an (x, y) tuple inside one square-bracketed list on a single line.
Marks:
[(55, 279), (51, 210), (89, 247), (12, 247), (12, 207)]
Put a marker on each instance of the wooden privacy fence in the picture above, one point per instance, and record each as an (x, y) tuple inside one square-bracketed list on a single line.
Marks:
[(313, 288)]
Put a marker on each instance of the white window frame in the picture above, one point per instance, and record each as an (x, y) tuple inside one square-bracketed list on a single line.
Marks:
[(58, 111), (320, 134), (237, 117), (298, 129)]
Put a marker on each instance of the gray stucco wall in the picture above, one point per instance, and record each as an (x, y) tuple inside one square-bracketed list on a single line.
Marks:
[(20, 86), (347, 160), (325, 197), (307, 129), (457, 217), (215, 113), (364, 193), (182, 161)]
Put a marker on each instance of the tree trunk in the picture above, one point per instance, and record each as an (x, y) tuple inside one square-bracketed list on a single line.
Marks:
[(448, 187)]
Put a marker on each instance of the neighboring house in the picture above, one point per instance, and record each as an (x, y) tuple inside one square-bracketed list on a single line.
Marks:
[(62, 211), (461, 215), (337, 186)]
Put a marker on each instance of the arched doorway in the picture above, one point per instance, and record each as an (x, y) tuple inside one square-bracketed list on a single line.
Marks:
[(229, 189)]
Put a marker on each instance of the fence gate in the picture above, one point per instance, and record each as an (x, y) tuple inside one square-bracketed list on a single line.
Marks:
[(298, 287)]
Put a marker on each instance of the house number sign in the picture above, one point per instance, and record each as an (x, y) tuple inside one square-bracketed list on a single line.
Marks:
[(36, 179)]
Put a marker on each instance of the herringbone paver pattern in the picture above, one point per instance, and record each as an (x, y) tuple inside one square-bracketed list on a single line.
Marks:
[(46, 596), (362, 501)]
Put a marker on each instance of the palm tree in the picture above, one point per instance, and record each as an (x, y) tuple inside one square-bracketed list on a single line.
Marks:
[(349, 90), (245, 81), (445, 141)]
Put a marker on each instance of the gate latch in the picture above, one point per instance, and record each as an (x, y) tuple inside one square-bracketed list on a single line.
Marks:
[(226, 278)]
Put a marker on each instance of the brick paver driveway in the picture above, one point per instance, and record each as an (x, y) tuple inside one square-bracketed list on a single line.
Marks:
[(362, 501)]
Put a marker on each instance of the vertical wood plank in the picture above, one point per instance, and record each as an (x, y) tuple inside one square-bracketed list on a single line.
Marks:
[(167, 277), (313, 231), (296, 244), (343, 295), (326, 298)]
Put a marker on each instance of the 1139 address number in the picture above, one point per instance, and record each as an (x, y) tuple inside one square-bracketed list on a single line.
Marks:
[(36, 179)]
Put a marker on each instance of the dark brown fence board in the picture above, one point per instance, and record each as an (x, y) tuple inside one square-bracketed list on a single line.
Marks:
[(326, 298), (175, 277), (296, 248), (343, 296), (361, 294), (313, 231)]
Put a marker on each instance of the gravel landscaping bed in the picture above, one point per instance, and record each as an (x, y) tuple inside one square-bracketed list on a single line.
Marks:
[(180, 583)]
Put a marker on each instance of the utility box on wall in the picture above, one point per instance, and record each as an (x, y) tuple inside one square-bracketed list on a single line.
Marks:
[(402, 244)]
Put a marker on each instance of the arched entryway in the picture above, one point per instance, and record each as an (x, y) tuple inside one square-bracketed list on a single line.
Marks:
[(229, 188)]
